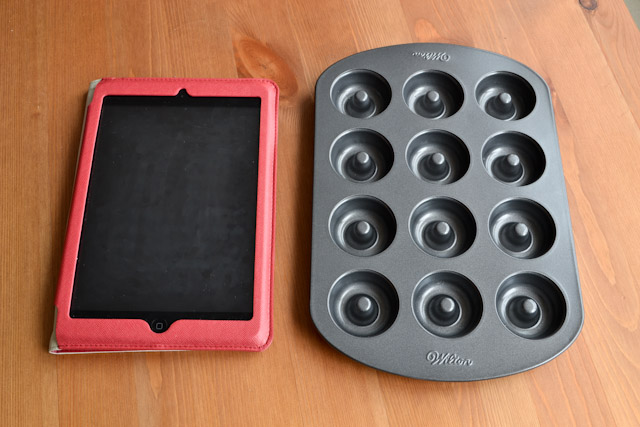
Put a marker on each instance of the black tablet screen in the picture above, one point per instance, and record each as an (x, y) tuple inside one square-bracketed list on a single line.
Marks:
[(170, 219)]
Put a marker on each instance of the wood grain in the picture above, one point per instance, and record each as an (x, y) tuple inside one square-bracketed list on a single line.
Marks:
[(589, 53)]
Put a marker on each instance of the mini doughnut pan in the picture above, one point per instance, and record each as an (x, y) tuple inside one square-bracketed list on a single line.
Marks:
[(442, 245)]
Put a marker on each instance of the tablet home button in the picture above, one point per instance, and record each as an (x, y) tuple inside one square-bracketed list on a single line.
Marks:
[(159, 325)]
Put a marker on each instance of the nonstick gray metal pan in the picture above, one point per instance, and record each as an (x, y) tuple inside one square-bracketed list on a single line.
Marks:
[(442, 244)]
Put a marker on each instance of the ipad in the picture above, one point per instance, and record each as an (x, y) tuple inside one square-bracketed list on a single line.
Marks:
[(170, 236)]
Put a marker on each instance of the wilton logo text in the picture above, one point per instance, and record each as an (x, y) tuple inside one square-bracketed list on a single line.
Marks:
[(433, 56), (447, 359)]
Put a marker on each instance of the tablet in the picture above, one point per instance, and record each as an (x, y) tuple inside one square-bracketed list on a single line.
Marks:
[(170, 235)]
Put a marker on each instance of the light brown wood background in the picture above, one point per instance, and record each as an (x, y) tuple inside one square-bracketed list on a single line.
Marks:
[(50, 51)]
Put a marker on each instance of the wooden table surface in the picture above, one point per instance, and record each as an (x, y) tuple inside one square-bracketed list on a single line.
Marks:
[(588, 53)]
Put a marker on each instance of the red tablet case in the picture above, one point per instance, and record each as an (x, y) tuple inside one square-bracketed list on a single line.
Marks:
[(78, 335)]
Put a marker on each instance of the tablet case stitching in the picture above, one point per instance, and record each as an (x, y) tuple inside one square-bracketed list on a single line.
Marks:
[(167, 79)]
